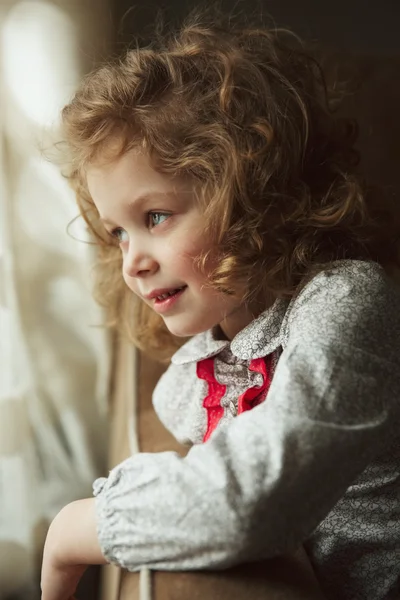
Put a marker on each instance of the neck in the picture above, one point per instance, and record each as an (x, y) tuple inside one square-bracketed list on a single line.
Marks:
[(240, 318), (235, 322)]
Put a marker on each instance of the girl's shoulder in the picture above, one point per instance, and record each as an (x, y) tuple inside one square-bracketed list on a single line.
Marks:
[(352, 301), (355, 283), (343, 275)]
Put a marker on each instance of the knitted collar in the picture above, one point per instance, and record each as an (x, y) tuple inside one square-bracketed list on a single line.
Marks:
[(261, 337)]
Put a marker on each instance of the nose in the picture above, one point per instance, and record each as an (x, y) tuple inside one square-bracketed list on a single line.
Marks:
[(138, 262)]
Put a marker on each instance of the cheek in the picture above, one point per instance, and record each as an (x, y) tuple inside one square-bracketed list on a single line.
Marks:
[(189, 241), (130, 282), (178, 255), (185, 253)]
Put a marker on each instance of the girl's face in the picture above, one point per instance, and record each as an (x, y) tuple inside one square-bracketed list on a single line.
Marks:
[(159, 226)]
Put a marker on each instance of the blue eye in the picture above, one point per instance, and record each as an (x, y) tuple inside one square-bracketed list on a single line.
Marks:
[(154, 217), (118, 234)]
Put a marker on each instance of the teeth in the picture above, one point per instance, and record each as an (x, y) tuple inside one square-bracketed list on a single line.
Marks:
[(163, 296)]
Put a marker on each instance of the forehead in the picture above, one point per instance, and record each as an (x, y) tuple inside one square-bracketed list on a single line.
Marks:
[(130, 178), (134, 166), (131, 169)]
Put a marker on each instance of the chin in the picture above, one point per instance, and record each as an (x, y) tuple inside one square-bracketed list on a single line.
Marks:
[(180, 330)]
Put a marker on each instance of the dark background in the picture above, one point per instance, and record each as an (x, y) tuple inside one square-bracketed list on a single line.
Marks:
[(360, 44), (365, 26)]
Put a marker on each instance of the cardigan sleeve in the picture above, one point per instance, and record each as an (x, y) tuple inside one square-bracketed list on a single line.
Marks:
[(263, 482)]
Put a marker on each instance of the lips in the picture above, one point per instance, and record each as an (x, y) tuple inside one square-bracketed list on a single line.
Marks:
[(169, 294), (166, 303)]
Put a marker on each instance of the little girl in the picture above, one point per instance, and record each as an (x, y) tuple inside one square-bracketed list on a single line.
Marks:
[(219, 184)]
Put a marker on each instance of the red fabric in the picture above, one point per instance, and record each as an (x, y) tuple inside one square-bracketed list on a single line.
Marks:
[(205, 370), (246, 401)]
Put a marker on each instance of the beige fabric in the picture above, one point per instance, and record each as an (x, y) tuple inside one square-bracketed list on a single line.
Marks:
[(53, 357)]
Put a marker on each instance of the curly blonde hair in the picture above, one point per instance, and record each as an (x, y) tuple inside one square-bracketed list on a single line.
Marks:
[(244, 111)]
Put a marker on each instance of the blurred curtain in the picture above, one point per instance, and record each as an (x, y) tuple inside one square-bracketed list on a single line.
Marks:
[(54, 357)]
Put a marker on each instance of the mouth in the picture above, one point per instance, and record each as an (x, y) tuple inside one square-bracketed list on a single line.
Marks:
[(166, 301)]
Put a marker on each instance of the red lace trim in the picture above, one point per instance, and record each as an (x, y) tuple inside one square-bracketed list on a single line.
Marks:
[(246, 401)]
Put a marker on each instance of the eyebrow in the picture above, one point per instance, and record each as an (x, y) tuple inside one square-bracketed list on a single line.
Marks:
[(140, 200)]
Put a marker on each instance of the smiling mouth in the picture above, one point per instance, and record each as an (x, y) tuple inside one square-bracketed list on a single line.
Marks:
[(166, 302), (169, 294)]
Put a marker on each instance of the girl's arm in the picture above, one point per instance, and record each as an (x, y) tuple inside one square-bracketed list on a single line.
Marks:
[(71, 545)]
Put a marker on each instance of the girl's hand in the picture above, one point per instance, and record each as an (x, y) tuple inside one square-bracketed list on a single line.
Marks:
[(71, 545)]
